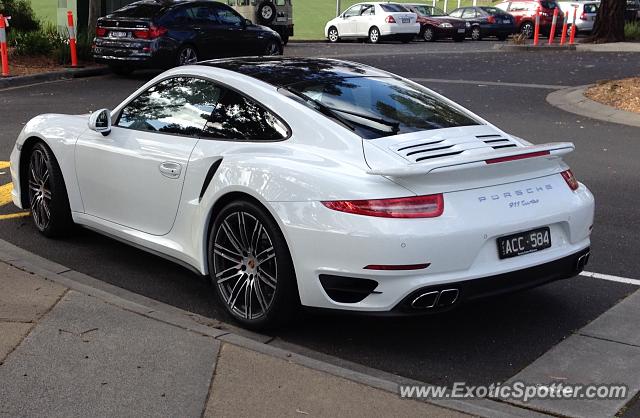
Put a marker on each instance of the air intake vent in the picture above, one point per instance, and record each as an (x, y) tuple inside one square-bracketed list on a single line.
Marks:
[(496, 141)]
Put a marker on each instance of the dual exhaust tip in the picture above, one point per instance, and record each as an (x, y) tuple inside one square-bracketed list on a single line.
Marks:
[(435, 298)]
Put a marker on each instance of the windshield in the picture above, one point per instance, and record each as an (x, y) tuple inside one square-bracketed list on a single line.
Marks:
[(429, 11), (374, 107), (591, 8)]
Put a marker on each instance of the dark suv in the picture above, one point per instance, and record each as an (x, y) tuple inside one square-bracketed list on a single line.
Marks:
[(163, 34)]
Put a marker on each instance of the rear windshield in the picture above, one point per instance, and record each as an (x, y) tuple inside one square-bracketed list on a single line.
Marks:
[(139, 9), (493, 10), (374, 107), (591, 8), (429, 11), (548, 4), (393, 8)]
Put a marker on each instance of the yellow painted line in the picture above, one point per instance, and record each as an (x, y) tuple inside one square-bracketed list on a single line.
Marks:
[(14, 215), (4, 164), (5, 194)]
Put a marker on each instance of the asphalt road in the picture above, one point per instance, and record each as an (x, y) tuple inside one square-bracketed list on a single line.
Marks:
[(481, 343)]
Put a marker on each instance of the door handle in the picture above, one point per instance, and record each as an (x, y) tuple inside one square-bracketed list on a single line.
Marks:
[(170, 169)]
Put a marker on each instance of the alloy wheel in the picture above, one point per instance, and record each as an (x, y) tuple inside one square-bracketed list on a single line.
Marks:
[(428, 34), (40, 189), (527, 30), (475, 33), (374, 35), (333, 35), (187, 56), (245, 265), (266, 13), (272, 49)]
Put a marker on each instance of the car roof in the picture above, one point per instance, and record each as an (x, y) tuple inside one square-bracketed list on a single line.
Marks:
[(286, 71)]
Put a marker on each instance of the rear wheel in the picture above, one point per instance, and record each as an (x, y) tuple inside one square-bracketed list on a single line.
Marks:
[(374, 35), (48, 200), (332, 34), (527, 29), (428, 34), (476, 35), (187, 55), (251, 267)]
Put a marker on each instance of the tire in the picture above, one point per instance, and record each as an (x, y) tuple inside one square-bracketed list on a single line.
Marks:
[(48, 198), (527, 29), (266, 12), (476, 34), (332, 35), (429, 34), (273, 48), (121, 70), (374, 35), (248, 255), (186, 55)]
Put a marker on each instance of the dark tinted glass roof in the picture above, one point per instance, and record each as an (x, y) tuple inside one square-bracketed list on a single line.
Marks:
[(287, 71)]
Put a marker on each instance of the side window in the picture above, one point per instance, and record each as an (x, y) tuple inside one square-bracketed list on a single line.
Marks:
[(368, 10), (468, 14), (280, 3), (227, 16), (237, 117), (353, 11), (456, 13), (517, 7), (180, 105)]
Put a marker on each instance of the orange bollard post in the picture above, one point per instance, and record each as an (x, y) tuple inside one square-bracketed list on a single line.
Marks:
[(536, 31), (4, 55), (563, 38), (72, 39), (552, 34), (573, 26)]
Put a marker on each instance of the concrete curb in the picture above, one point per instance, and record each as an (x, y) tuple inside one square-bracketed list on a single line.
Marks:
[(171, 315), (70, 73), (573, 100), (529, 47)]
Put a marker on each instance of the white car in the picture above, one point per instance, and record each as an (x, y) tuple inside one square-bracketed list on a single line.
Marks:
[(586, 12), (373, 21), (319, 182)]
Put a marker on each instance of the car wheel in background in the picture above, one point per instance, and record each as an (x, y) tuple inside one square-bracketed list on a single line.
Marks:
[(122, 70), (48, 200), (187, 55), (527, 29), (251, 268), (332, 34), (428, 34), (266, 12), (374, 35), (273, 48), (476, 35)]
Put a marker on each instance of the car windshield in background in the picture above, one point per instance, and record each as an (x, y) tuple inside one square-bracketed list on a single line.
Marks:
[(429, 11), (374, 107), (591, 8), (139, 10), (493, 10), (390, 8), (548, 4)]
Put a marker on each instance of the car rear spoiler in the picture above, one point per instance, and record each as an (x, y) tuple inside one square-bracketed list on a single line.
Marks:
[(552, 150)]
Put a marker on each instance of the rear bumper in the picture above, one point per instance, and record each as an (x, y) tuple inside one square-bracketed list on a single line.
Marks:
[(396, 29), (143, 54)]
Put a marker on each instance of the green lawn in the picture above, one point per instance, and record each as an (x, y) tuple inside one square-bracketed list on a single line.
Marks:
[(45, 9), (310, 16)]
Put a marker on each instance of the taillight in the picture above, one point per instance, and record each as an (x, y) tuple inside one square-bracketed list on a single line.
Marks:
[(583, 16), (430, 206), (571, 180), (101, 31), (390, 19), (491, 19), (152, 33)]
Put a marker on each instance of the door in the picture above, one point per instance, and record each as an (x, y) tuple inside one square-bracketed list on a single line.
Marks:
[(365, 20), (240, 41), (348, 24), (215, 39), (134, 175)]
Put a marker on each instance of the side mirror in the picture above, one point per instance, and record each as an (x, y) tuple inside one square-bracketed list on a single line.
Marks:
[(248, 22), (100, 121)]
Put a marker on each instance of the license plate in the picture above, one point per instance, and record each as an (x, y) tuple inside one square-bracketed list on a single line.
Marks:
[(281, 19), (462, 30), (524, 243), (406, 20), (506, 21), (118, 34)]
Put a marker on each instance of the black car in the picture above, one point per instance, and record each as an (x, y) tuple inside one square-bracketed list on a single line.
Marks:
[(632, 11), (164, 34), (486, 21)]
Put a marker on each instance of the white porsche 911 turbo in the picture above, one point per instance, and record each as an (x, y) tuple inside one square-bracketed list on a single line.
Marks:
[(313, 182)]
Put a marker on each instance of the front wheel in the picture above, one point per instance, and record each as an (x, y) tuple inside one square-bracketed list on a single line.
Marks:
[(273, 48), (527, 29), (374, 35), (251, 267), (332, 35), (48, 200)]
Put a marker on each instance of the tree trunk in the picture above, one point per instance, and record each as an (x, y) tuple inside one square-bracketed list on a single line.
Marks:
[(609, 25), (94, 14)]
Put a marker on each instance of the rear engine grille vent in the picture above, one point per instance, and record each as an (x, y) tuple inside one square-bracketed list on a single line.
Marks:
[(422, 150), (496, 141)]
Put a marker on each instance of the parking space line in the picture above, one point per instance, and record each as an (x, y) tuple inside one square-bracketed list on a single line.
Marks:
[(490, 83), (4, 165), (14, 215), (611, 278)]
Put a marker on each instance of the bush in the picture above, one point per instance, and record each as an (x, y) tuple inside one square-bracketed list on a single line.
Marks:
[(62, 53), (632, 31), (22, 17), (43, 41)]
